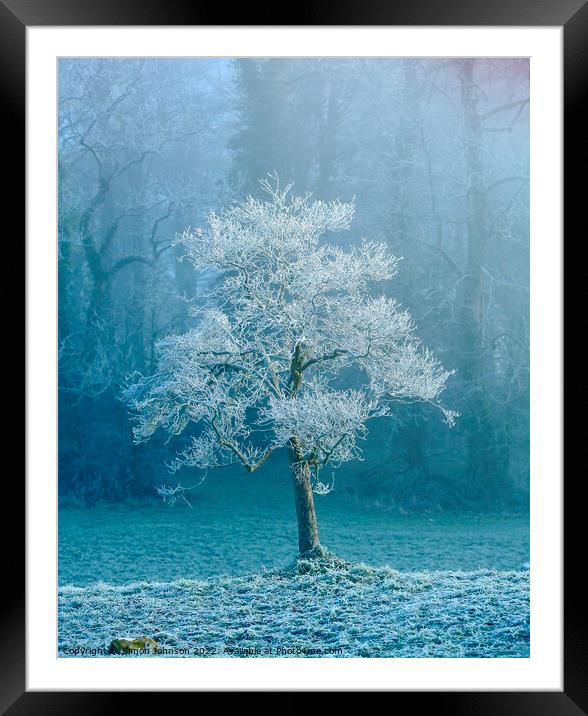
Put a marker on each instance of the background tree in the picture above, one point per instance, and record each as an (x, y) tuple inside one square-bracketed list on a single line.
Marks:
[(288, 316), (435, 152), (129, 136)]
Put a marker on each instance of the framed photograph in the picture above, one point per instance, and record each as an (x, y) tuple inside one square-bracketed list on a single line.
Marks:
[(294, 341)]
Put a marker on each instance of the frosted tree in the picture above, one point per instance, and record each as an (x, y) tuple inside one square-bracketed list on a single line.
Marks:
[(293, 317)]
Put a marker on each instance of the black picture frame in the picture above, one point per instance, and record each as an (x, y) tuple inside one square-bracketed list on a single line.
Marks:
[(572, 15)]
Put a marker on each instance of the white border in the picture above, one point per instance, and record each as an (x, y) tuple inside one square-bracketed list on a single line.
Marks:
[(543, 670)]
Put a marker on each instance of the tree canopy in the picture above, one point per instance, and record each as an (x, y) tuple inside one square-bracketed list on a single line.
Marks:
[(291, 314)]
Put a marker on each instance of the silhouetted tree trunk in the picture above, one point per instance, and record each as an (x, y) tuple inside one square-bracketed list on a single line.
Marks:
[(327, 146), (308, 537), (483, 464)]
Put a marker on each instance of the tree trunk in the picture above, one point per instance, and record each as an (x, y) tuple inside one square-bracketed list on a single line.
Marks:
[(483, 469), (308, 538)]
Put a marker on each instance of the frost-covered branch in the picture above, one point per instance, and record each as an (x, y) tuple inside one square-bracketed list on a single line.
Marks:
[(172, 494)]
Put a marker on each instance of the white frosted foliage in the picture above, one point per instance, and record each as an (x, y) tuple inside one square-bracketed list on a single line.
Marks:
[(290, 311)]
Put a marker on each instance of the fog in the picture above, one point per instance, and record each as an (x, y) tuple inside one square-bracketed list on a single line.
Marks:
[(435, 154)]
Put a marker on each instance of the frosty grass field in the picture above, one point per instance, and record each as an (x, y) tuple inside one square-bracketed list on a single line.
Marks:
[(220, 580)]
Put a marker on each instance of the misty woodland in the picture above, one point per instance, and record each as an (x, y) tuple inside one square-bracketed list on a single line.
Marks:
[(293, 357)]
